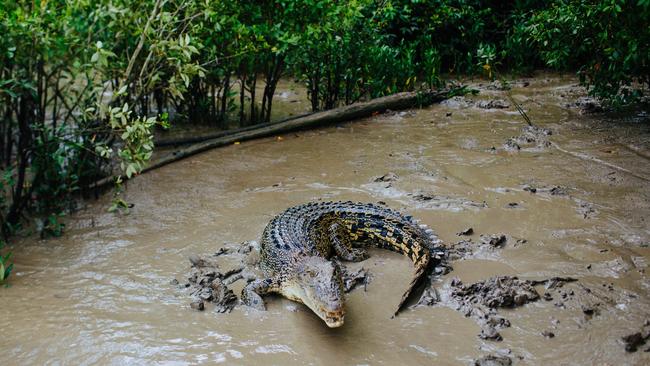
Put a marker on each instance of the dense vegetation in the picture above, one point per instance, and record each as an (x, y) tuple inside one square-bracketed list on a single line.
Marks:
[(83, 83)]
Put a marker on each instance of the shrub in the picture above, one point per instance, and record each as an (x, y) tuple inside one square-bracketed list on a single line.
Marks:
[(606, 41)]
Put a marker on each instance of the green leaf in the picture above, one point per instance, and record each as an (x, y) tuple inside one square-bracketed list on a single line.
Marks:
[(130, 170)]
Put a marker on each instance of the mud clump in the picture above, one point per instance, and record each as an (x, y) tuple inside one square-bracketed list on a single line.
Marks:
[(487, 243), (586, 209), (457, 102), (553, 190), (210, 275), (548, 334), (445, 202), (430, 297), (481, 300), (198, 305), (530, 189), (558, 191), (490, 333), (352, 279), (635, 340), (206, 285), (588, 105), (511, 145), (388, 177), (468, 231), (553, 282), (491, 360), (532, 136), (493, 104), (496, 292), (497, 85), (494, 240), (505, 85), (520, 242), (221, 251), (462, 249), (199, 262)]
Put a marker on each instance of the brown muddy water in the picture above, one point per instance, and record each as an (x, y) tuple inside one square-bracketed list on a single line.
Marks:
[(101, 294)]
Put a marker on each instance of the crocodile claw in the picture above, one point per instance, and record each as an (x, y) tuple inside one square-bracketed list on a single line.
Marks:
[(250, 296), (254, 301)]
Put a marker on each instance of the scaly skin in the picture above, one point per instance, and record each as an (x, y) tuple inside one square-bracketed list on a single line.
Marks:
[(297, 245)]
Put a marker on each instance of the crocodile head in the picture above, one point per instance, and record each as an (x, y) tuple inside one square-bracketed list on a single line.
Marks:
[(318, 285)]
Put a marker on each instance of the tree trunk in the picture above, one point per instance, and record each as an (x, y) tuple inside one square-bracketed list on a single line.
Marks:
[(272, 77), (158, 96), (25, 117), (313, 87), (253, 115), (224, 99), (12, 106), (242, 100)]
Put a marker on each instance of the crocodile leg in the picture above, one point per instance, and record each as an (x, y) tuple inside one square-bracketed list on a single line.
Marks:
[(340, 239), (252, 294)]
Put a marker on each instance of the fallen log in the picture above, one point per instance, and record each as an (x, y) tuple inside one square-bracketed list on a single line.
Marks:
[(196, 139), (358, 110)]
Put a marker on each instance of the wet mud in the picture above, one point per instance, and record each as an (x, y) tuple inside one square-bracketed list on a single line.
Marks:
[(571, 202), (481, 300)]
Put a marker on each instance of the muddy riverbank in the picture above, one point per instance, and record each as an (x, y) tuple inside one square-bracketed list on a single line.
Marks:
[(561, 197)]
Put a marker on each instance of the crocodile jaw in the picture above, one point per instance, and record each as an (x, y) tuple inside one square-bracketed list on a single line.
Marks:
[(332, 319)]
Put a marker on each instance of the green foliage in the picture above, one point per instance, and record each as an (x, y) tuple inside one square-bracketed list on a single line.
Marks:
[(369, 48), (607, 41), (331, 55), (5, 265), (486, 55), (84, 84), (118, 204), (52, 225), (74, 85), (344, 54)]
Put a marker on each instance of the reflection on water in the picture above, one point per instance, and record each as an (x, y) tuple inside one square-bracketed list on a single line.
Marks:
[(102, 294)]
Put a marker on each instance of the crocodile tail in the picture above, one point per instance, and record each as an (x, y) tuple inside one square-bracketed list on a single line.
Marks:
[(421, 272)]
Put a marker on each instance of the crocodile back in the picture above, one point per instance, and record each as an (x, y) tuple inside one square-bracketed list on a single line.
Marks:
[(303, 231)]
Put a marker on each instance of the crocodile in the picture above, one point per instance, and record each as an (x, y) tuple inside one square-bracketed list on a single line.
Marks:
[(299, 245)]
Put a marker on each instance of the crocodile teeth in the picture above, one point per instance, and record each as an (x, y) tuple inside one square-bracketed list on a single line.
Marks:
[(428, 231), (422, 226)]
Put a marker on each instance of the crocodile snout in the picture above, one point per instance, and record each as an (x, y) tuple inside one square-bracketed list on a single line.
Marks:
[(333, 319)]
